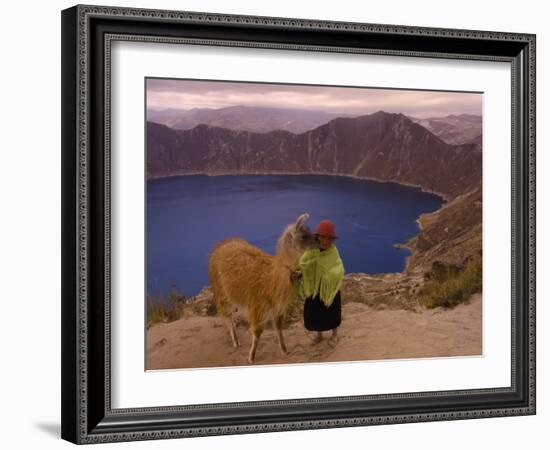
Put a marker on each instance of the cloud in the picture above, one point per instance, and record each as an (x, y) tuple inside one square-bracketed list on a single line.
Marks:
[(188, 94)]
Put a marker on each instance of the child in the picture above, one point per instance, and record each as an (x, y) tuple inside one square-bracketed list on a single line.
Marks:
[(321, 272)]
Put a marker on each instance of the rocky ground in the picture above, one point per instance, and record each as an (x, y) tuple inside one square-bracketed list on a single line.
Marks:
[(368, 332)]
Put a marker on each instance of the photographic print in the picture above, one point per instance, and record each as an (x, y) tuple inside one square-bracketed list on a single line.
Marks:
[(301, 224)]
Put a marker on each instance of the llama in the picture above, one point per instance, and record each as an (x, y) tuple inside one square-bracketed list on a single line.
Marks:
[(243, 275)]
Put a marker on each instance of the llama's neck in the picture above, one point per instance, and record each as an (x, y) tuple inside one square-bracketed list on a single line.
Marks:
[(285, 256), (284, 261), (281, 283)]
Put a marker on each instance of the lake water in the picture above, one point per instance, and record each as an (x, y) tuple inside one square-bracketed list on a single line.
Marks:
[(188, 215)]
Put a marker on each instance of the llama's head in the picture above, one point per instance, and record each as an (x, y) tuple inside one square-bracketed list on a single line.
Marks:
[(296, 239)]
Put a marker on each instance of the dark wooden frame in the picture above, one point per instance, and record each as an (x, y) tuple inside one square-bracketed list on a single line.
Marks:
[(87, 416)]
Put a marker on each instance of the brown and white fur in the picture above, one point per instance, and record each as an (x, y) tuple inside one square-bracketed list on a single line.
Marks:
[(243, 275)]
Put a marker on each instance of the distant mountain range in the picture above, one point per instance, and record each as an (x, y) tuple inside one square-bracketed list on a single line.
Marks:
[(454, 129), (383, 146), (244, 118)]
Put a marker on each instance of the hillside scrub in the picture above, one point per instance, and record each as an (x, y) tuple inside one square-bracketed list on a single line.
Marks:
[(451, 285), (165, 309)]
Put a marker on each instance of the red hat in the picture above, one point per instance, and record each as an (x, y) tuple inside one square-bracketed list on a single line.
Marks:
[(326, 228)]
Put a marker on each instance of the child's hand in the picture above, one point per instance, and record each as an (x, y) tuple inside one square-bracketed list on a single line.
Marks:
[(295, 275)]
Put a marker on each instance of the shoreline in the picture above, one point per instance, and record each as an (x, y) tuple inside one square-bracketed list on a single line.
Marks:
[(445, 197), (446, 200)]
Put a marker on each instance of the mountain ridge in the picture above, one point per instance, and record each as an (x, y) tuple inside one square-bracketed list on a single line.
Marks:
[(383, 146)]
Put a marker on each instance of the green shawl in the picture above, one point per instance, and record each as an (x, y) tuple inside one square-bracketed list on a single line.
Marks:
[(322, 272)]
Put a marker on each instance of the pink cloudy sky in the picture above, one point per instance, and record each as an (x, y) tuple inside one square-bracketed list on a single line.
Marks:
[(188, 94)]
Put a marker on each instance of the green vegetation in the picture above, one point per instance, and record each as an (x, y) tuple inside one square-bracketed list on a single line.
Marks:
[(451, 285), (162, 309)]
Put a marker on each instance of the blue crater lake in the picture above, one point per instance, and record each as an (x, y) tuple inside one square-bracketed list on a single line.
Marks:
[(188, 215)]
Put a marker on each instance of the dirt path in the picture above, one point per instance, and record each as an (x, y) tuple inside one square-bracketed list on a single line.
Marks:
[(365, 334)]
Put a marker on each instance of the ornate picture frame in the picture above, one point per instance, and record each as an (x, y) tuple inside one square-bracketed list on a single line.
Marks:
[(88, 415)]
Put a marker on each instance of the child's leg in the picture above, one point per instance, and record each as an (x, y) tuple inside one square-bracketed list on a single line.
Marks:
[(334, 337), (317, 337)]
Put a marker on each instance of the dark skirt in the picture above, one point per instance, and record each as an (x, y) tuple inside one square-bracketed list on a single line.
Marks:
[(317, 317)]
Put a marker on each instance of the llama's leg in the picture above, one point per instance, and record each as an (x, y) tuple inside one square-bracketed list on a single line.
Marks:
[(278, 324), (221, 303), (231, 327), (256, 333)]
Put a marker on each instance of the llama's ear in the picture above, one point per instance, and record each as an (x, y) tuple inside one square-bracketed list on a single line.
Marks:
[(301, 220)]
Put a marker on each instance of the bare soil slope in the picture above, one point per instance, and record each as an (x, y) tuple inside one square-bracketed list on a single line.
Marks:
[(366, 333)]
